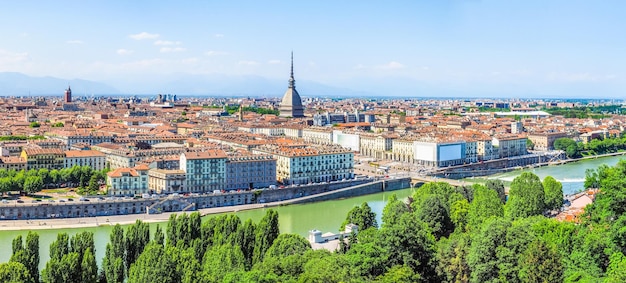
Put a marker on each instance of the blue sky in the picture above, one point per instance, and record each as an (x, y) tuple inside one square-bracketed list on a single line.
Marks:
[(552, 48)]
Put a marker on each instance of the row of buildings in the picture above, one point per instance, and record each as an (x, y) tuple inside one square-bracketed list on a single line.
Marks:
[(211, 170)]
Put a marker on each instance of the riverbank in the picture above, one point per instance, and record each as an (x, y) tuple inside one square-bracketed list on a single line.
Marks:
[(97, 221)]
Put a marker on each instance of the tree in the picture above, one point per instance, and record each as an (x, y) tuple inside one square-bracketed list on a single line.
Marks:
[(409, 242), (458, 213), (433, 212), (498, 186), (617, 269), (32, 255), (553, 190), (137, 237), (288, 244), (14, 272), (220, 260), (153, 265), (526, 197), (113, 262), (482, 258), (452, 258), (267, 231), (159, 237), (89, 267), (540, 263), (486, 204), (361, 216), (393, 210), (33, 184)]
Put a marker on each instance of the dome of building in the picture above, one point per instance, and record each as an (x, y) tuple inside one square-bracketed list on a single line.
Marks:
[(291, 104)]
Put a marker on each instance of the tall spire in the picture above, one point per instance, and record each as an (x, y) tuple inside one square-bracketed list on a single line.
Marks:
[(292, 80)]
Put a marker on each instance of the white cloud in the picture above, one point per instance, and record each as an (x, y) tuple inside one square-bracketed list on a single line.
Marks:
[(75, 41), (360, 67), (123, 51), (144, 35), (167, 42), (274, 62), (215, 53), (190, 60), (172, 49), (219, 35), (248, 63), (393, 65), (12, 57)]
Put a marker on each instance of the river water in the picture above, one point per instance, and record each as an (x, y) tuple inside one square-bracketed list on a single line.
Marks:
[(571, 175), (325, 216)]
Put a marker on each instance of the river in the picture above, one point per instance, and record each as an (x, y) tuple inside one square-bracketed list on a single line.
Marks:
[(571, 175), (325, 216)]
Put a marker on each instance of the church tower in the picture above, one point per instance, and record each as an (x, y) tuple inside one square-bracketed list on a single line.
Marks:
[(291, 105), (68, 95)]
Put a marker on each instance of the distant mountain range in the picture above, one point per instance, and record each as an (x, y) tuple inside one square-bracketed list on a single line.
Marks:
[(18, 84), (182, 84)]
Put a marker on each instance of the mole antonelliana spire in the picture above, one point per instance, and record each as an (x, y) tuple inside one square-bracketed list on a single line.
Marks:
[(291, 105)]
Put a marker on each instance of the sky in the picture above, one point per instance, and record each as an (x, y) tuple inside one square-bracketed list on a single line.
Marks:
[(455, 48)]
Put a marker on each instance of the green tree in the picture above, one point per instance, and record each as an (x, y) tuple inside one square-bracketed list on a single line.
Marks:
[(486, 204), (498, 186), (136, 239), (482, 258), (153, 265), (32, 255), (617, 269), (393, 210), (361, 216), (267, 231), (14, 272), (452, 258), (113, 264), (553, 190), (159, 237), (223, 259), (458, 213), (409, 242), (433, 212), (33, 184), (89, 267), (540, 263), (526, 197), (288, 244)]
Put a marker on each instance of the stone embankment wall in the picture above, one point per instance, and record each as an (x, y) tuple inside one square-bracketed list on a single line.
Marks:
[(364, 189), (491, 167), (96, 207)]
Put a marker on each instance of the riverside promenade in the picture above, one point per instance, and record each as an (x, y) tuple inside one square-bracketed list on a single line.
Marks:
[(96, 221)]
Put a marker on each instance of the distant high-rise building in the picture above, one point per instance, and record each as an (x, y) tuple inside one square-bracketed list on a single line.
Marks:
[(291, 105), (68, 95)]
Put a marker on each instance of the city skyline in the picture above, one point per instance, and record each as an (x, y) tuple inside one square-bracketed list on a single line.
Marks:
[(447, 48)]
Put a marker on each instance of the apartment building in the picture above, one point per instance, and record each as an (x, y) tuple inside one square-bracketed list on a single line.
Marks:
[(509, 146), (128, 181), (318, 135), (162, 181), (205, 170), (376, 146), (38, 158), (310, 164), (92, 158), (250, 171), (545, 141)]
